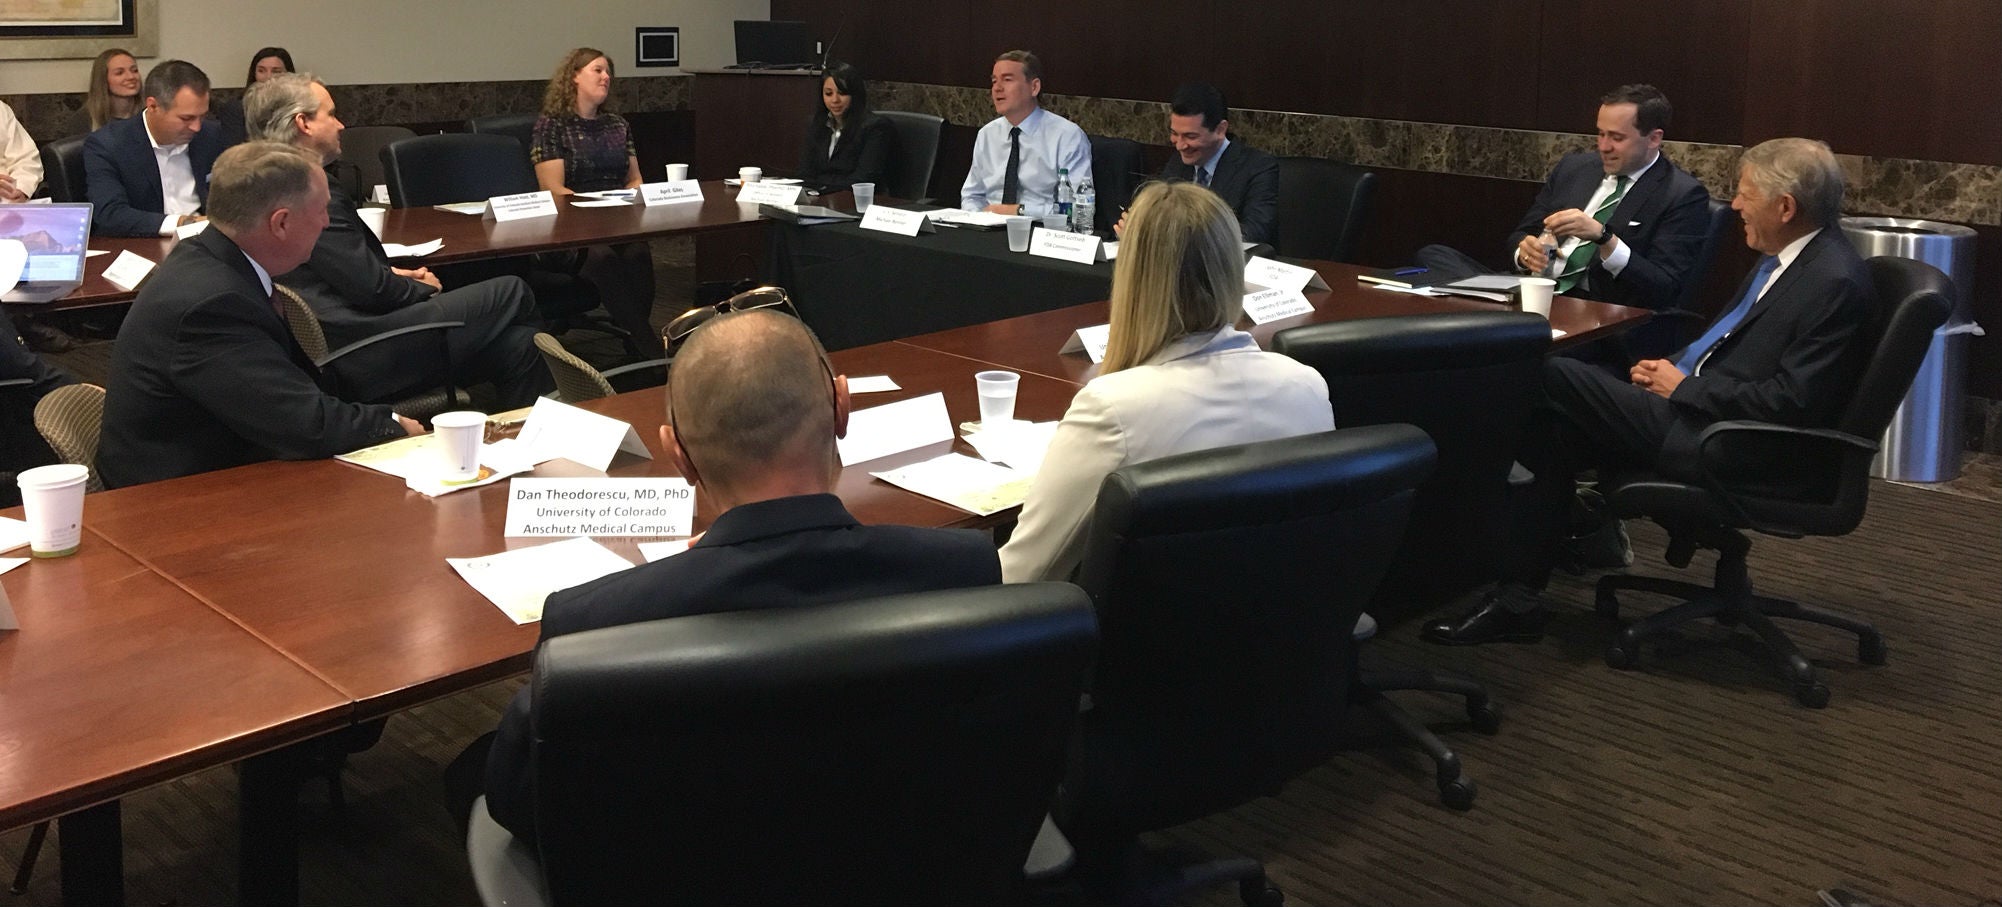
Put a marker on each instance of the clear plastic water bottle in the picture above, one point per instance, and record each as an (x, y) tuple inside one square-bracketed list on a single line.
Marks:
[(1064, 193), (1084, 209)]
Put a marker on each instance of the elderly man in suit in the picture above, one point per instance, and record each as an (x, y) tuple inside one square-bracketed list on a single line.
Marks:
[(753, 413), (205, 374), (1787, 350), (355, 292), (1205, 154), (149, 174)]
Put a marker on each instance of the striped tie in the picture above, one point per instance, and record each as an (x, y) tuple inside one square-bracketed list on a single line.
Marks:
[(1580, 258)]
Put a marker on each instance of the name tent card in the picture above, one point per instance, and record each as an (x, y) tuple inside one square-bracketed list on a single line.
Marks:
[(190, 229), (894, 220), (769, 194), (522, 206), (1266, 274), (127, 270), (893, 428), (1089, 341), (1078, 247), (673, 192), (1274, 304), (651, 507), (560, 430)]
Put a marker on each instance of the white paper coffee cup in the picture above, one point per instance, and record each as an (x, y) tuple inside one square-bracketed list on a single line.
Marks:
[(459, 437), (750, 174), (373, 217), (1536, 293), (52, 500), (677, 172)]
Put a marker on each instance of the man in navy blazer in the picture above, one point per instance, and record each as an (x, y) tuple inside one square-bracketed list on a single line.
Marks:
[(1788, 349), (148, 174), (1626, 222), (1246, 178), (753, 413)]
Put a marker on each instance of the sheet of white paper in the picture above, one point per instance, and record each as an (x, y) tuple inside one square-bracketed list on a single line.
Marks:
[(894, 428), (600, 203), (399, 250), (1556, 333), (962, 481), (93, 253), (9, 563), (1408, 291), (660, 551), (13, 533), (517, 581), (1020, 445), (127, 270), (610, 193), (417, 458), (475, 209), (560, 430), (872, 384), (194, 229), (777, 180)]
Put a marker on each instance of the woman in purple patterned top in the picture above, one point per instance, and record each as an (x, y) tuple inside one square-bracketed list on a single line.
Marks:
[(579, 146)]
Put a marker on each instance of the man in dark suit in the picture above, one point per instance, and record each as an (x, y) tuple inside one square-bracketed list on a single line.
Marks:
[(1246, 178), (1787, 350), (149, 174), (205, 374), (753, 414), (356, 294), (1625, 222), (21, 445)]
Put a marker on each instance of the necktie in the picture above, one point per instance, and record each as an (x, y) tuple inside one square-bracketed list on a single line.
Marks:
[(1202, 175), (1580, 258), (1693, 355), (1011, 183)]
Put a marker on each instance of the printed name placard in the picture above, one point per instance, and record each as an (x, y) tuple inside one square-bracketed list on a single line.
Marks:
[(893, 220), (1078, 247), (769, 194), (560, 430), (193, 228), (127, 270), (1089, 341), (1266, 274), (1274, 304), (673, 192), (662, 507), (522, 206)]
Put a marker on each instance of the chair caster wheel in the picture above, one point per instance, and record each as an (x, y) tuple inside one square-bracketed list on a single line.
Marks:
[(1872, 652), (1813, 695), (1606, 604), (1458, 793), (1621, 658), (1486, 718), (1260, 893)]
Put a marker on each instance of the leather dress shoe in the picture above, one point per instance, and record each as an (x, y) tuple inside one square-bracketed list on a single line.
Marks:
[(1491, 621)]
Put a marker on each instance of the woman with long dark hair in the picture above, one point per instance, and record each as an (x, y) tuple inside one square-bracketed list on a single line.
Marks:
[(845, 143)]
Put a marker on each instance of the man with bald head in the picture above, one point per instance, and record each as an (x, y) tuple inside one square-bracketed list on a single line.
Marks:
[(754, 409)]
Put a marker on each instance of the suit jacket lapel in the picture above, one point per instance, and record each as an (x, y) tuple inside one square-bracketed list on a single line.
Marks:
[(157, 192), (1781, 284), (1640, 196)]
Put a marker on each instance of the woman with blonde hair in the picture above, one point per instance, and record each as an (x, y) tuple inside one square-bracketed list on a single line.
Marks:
[(580, 146), (114, 88), (1177, 376)]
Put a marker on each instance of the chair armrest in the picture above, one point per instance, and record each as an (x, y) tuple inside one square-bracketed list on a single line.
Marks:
[(1768, 475), (16, 382), (611, 373), (1709, 441), (329, 358)]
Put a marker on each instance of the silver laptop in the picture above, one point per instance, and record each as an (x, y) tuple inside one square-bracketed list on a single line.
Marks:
[(57, 236)]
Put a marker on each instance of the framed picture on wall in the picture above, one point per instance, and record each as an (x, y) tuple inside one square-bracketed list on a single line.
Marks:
[(72, 29)]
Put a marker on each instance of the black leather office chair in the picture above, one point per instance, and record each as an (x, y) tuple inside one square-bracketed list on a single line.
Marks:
[(454, 167), (62, 170), (1324, 207), (1227, 583), (1117, 170), (1778, 480), (901, 750), (517, 126), (917, 153), (362, 147), (1674, 328), (1470, 381)]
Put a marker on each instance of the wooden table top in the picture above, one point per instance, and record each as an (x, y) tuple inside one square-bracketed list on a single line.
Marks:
[(119, 680)]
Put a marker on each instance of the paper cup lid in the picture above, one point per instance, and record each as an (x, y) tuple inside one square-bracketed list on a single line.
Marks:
[(54, 476)]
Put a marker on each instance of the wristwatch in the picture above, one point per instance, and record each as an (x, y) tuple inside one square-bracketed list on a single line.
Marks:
[(1605, 233)]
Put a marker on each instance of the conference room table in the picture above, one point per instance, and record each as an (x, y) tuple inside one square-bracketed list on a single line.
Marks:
[(238, 614)]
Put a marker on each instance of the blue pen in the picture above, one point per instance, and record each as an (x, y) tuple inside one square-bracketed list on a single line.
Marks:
[(1406, 272)]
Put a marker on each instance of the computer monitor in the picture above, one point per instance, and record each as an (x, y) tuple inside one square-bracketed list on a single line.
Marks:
[(782, 43), (57, 238)]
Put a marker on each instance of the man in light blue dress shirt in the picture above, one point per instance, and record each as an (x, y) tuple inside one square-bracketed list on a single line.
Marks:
[(1016, 156)]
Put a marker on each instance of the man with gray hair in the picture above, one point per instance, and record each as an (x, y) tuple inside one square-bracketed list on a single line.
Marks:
[(205, 374), (149, 174), (355, 292), (1787, 349)]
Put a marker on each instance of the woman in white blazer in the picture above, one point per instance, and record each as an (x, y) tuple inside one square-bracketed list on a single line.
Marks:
[(1177, 376)]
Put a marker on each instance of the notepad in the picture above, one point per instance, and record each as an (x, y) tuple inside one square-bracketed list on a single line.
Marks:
[(517, 581)]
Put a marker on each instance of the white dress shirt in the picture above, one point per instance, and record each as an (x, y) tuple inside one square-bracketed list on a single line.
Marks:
[(1203, 391), (1049, 143), (19, 158), (1784, 257), (177, 180), (1209, 166)]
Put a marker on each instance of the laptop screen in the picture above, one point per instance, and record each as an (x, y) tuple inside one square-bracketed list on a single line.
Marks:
[(56, 237)]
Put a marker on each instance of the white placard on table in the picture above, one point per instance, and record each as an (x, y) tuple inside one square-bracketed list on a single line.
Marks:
[(193, 228), (127, 270), (522, 206), (880, 431), (1265, 274), (894, 220), (764, 193), (648, 507), (560, 430), (1089, 341), (517, 581), (13, 533), (1078, 247), (871, 384), (672, 192), (7, 619), (1274, 304), (380, 194)]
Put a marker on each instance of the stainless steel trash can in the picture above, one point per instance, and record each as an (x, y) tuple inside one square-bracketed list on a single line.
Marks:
[(1925, 441)]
